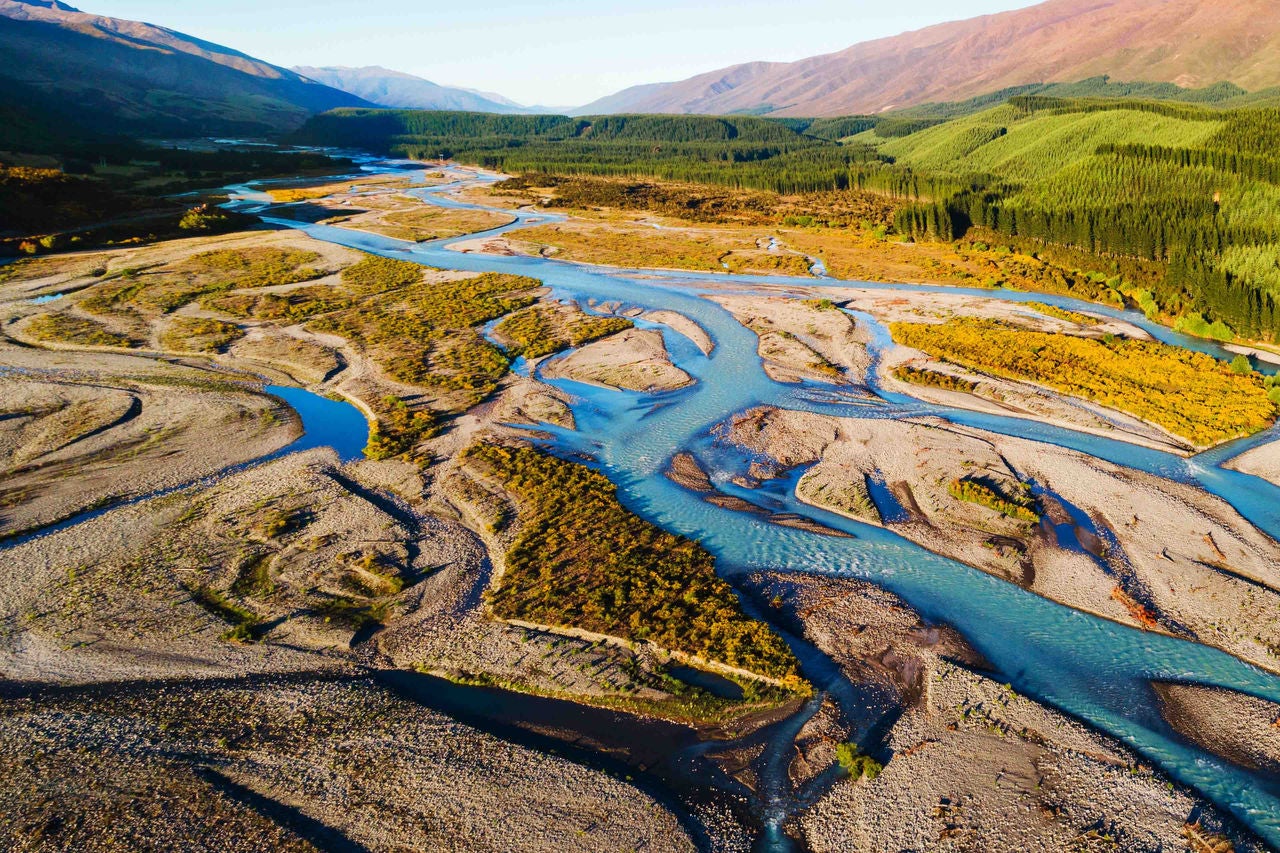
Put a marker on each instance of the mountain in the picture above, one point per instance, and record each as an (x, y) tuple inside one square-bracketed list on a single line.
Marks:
[(388, 88), (113, 76), (494, 96), (626, 100), (1188, 42)]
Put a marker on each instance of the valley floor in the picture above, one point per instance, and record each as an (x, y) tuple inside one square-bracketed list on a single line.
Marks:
[(213, 633)]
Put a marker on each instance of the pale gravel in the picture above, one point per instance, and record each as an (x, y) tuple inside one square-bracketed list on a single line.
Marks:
[(635, 360), (970, 765), (384, 772), (1262, 461), (796, 338), (1207, 572)]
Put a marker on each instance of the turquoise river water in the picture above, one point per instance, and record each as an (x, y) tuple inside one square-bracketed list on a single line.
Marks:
[(1091, 668)]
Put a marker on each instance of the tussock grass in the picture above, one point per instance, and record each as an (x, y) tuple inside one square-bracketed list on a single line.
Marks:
[(70, 329), (199, 334)]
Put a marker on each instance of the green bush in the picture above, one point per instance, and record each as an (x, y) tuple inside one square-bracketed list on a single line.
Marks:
[(398, 429), (244, 622), (1194, 323), (1019, 506), (857, 765)]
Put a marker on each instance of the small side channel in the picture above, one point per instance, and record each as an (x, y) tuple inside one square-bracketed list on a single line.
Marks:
[(325, 423)]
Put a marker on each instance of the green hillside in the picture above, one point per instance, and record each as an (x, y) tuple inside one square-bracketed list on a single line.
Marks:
[(1223, 95), (1195, 189), (1029, 146)]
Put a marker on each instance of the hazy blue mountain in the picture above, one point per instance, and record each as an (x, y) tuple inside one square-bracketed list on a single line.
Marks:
[(622, 102), (398, 90)]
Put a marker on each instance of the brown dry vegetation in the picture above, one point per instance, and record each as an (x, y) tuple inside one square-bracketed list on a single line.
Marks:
[(419, 224), (427, 335), (199, 334), (377, 205), (700, 203), (544, 329), (635, 245), (326, 188), (850, 232), (166, 287), (70, 329)]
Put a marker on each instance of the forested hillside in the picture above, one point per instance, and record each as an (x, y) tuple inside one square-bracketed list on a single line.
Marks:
[(1193, 189), (1182, 184), (787, 156)]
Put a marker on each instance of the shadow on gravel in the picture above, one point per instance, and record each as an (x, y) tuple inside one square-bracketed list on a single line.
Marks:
[(324, 837)]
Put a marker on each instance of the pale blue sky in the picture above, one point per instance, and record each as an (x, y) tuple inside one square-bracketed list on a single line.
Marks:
[(554, 52)]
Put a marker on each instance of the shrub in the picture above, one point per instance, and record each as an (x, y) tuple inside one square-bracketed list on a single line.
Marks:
[(1063, 314), (376, 274), (582, 561), (398, 429), (933, 379), (542, 330), (69, 329), (1020, 506), (244, 622), (857, 765), (1190, 394), (426, 335), (205, 219), (199, 334), (1195, 324)]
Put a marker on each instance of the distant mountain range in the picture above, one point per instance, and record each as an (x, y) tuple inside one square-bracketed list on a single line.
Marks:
[(77, 72), (388, 88), (397, 90), (1191, 43), (68, 74)]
